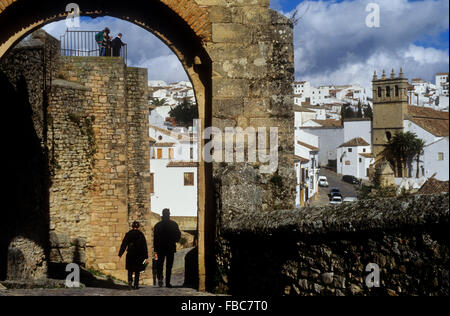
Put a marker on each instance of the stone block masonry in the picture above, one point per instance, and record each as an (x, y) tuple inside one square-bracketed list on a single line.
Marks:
[(115, 109), (325, 251), (92, 123)]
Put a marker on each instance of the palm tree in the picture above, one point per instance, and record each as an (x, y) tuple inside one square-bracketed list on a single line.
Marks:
[(159, 102), (419, 148), (402, 149)]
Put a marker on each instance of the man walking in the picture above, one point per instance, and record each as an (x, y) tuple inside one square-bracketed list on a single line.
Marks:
[(137, 254), (117, 45), (166, 235)]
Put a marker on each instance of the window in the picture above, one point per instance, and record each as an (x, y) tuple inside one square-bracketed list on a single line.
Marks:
[(152, 183), (379, 92), (171, 155), (364, 150), (350, 150), (348, 163), (388, 91), (397, 91), (360, 160), (388, 136), (188, 179), (440, 156), (159, 153), (192, 153)]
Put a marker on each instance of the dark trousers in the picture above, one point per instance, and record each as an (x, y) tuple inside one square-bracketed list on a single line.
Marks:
[(136, 278), (168, 257)]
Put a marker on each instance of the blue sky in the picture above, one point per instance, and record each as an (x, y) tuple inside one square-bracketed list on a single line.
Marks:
[(332, 43)]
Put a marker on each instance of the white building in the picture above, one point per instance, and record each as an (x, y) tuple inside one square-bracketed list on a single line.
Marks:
[(306, 95), (442, 83), (306, 166), (433, 128), (173, 168), (330, 136), (158, 116), (355, 158), (426, 94)]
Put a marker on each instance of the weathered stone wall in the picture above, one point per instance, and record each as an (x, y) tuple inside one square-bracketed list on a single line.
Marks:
[(117, 114), (25, 74), (90, 118), (325, 251), (253, 71), (71, 148)]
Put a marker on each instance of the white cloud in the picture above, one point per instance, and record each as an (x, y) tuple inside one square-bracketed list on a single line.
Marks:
[(333, 44)]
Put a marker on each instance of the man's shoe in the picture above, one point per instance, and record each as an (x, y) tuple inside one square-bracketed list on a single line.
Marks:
[(169, 285), (136, 287), (160, 283)]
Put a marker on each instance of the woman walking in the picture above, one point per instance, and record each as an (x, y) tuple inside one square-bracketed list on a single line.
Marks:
[(137, 254)]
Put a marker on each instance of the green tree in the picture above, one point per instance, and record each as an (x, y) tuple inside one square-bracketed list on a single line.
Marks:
[(184, 113), (159, 102), (367, 111), (401, 151), (419, 147)]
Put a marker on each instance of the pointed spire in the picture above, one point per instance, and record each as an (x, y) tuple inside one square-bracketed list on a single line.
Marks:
[(401, 75), (393, 74), (384, 75), (375, 77)]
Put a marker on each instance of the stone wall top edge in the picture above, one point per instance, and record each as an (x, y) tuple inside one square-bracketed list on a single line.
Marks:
[(358, 217)]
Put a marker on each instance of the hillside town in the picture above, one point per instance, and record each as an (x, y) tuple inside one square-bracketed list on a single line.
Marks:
[(325, 137)]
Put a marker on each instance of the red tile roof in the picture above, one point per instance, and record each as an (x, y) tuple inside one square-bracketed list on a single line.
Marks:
[(355, 142), (328, 123), (308, 146), (300, 159), (433, 186), (182, 164), (435, 122)]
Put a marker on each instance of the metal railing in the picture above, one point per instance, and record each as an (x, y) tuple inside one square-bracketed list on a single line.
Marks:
[(83, 43)]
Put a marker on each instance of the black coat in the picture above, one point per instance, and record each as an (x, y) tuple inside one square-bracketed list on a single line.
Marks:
[(166, 235), (136, 246), (116, 45)]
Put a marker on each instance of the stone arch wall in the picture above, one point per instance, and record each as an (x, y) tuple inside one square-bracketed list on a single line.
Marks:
[(239, 57)]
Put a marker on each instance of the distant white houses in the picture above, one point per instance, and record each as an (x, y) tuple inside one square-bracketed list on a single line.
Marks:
[(306, 166), (427, 94), (305, 94), (173, 168), (173, 94)]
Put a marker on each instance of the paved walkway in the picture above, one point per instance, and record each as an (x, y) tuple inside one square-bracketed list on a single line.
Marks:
[(144, 291), (120, 290)]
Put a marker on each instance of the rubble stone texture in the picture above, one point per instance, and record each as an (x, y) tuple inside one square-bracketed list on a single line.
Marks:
[(325, 251)]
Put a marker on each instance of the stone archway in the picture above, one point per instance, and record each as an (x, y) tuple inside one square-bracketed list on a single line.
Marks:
[(239, 58)]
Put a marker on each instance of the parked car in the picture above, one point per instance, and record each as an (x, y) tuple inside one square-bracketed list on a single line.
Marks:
[(335, 192), (351, 179), (336, 200), (350, 199), (323, 182)]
